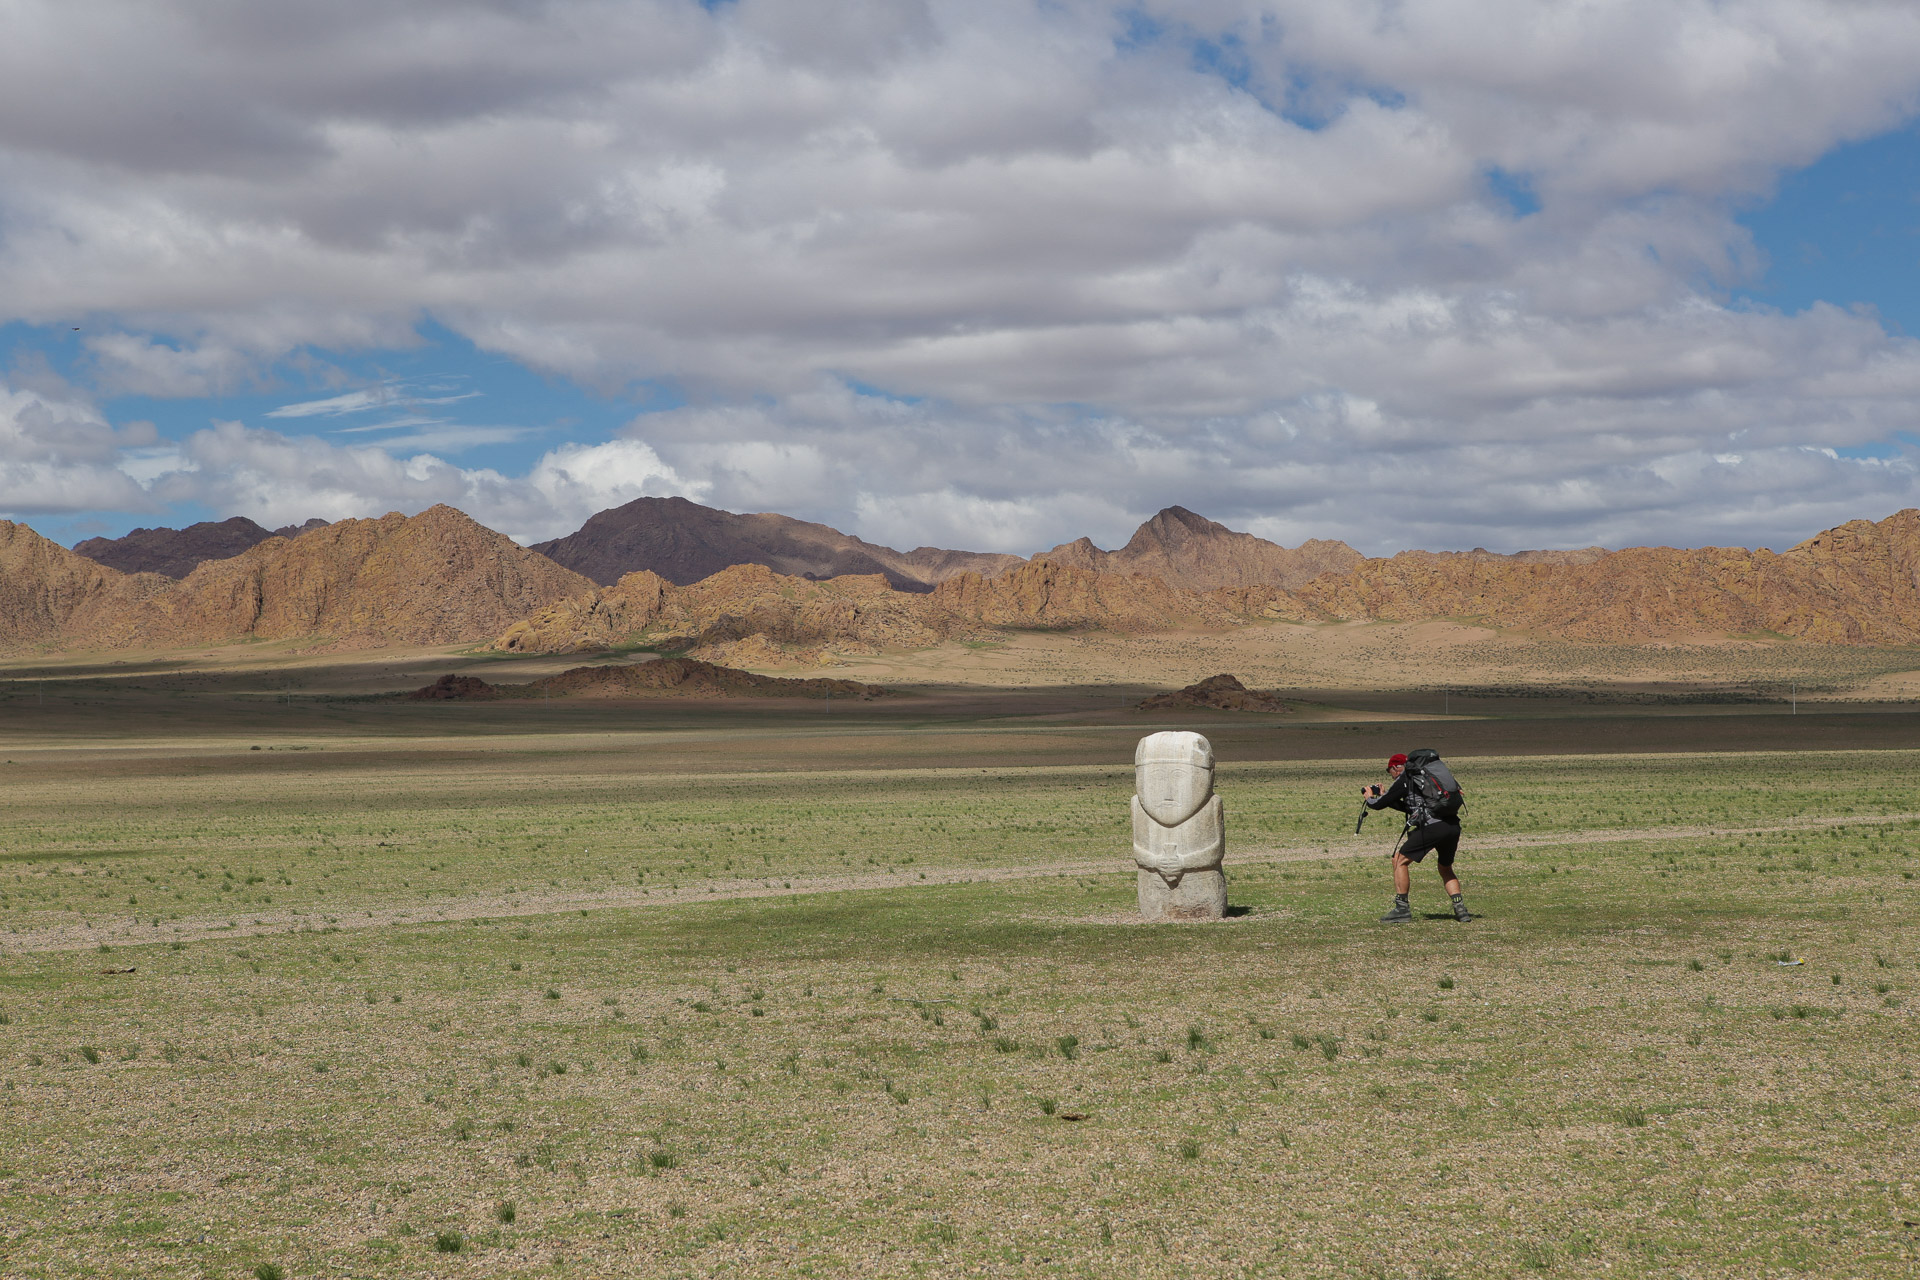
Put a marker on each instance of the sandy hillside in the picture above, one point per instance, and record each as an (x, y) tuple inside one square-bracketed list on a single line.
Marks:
[(1396, 655)]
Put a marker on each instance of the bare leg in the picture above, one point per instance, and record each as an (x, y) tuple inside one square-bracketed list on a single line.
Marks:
[(1402, 873), (1452, 881)]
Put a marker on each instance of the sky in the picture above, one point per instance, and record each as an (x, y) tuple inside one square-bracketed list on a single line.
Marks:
[(988, 274)]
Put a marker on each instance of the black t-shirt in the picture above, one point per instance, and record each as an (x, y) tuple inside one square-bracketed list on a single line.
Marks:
[(1406, 797), (1394, 797)]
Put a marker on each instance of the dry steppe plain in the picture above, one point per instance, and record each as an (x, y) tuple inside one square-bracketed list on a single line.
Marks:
[(302, 980)]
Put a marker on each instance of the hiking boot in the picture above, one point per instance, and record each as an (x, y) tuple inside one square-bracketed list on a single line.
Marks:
[(1401, 914), (1461, 913)]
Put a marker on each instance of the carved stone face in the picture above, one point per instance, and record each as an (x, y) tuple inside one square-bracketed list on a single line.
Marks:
[(1173, 776)]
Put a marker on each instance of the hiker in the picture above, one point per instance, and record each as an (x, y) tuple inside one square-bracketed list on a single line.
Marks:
[(1424, 789)]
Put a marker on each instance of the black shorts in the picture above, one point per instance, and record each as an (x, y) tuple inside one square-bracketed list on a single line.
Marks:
[(1442, 838)]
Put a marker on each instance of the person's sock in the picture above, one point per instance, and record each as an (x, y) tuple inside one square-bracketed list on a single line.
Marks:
[(1400, 900)]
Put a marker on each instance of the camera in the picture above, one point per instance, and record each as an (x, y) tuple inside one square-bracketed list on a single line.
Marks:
[(1374, 789)]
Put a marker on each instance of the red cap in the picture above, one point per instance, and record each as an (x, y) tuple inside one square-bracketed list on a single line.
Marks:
[(1397, 758)]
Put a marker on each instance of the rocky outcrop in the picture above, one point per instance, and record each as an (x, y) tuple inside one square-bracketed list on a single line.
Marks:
[(434, 578), (1215, 693), (440, 578), (1855, 584), (664, 677), (452, 688), (747, 608), (1193, 552), (854, 614), (44, 587), (684, 542), (174, 553), (1047, 596)]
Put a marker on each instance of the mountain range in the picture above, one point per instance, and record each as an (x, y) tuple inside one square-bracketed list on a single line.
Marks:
[(174, 553), (684, 542), (635, 574), (434, 578), (1196, 553)]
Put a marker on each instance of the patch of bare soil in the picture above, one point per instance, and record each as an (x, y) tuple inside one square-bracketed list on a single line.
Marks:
[(134, 932), (1434, 655)]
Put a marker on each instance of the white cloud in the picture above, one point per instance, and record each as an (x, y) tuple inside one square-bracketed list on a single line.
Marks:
[(384, 396), (58, 454), (578, 480), (447, 437), (276, 480), (333, 406), (1245, 255)]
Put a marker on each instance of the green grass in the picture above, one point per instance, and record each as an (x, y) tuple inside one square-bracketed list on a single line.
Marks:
[(1609, 1073), (365, 830)]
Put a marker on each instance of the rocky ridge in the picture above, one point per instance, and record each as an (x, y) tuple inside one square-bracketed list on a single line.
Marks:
[(44, 587), (434, 578), (1858, 583), (664, 677), (441, 578), (1215, 693), (748, 611), (1855, 584), (174, 553), (1199, 554), (684, 542)]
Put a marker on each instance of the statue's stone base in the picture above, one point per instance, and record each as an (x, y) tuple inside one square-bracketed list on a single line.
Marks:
[(1200, 895)]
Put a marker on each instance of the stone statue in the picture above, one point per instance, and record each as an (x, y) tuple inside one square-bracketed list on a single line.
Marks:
[(1179, 829)]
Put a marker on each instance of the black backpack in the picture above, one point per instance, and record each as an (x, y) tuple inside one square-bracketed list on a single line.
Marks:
[(1429, 778)]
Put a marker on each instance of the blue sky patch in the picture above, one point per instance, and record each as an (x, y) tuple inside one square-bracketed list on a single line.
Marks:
[(1515, 190), (1846, 230)]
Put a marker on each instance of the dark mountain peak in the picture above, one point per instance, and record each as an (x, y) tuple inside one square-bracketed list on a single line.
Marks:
[(1177, 526), (684, 542), (1187, 549), (174, 552)]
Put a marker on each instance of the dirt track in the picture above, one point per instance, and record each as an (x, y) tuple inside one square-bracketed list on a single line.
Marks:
[(133, 933)]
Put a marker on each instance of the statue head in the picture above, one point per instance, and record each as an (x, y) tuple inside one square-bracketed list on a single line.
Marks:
[(1173, 775)]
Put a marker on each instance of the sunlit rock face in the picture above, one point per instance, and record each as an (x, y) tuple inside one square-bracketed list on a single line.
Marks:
[(1179, 829)]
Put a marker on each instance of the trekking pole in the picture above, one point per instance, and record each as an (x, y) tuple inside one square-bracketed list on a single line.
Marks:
[(1362, 821)]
